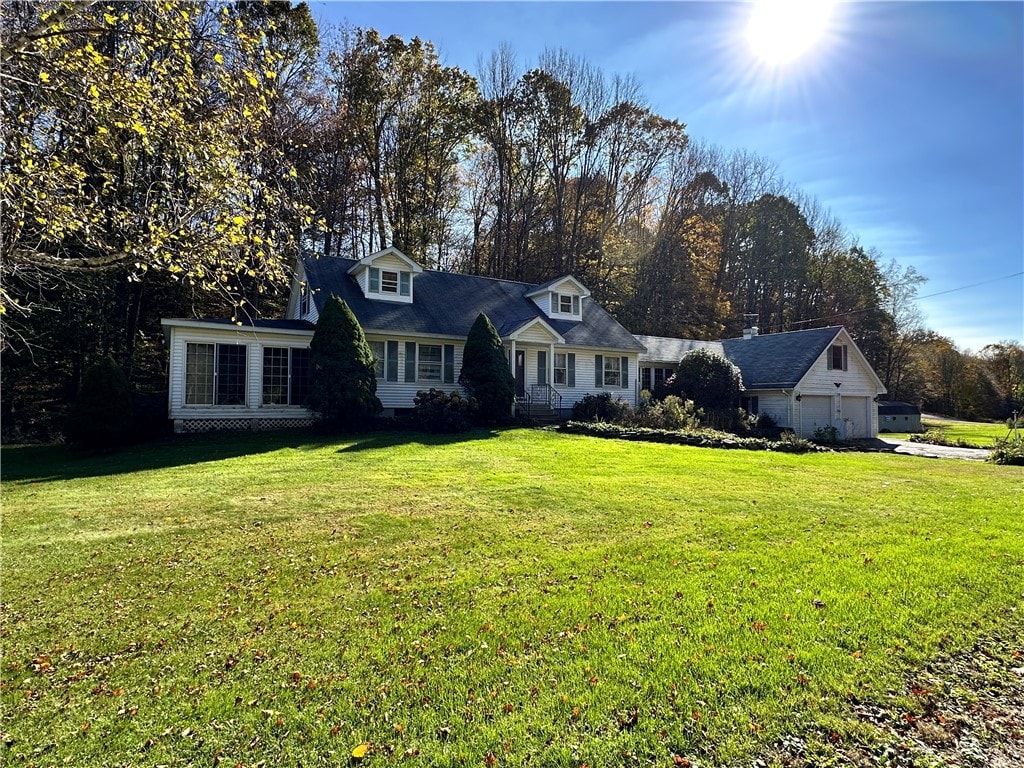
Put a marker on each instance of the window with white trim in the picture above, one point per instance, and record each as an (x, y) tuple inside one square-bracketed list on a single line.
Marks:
[(612, 371), (285, 376), (565, 304), (215, 374), (837, 358), (378, 349), (560, 370), (391, 282), (429, 363)]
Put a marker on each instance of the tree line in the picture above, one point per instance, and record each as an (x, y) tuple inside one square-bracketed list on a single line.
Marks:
[(169, 159)]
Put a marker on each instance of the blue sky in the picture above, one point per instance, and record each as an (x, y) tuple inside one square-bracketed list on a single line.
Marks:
[(906, 120)]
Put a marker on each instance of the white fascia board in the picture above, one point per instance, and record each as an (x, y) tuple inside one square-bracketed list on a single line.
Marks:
[(554, 285), (367, 261), (203, 325), (556, 336)]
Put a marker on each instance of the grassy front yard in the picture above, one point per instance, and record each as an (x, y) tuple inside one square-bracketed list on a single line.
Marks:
[(517, 598)]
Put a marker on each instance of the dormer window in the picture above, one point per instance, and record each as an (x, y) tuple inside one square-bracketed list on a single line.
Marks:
[(389, 281), (567, 304), (561, 298)]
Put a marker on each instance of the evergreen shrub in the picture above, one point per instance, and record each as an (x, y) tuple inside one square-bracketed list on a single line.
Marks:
[(100, 419)]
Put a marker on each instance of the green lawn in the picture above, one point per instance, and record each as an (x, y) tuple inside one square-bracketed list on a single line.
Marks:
[(982, 434), (521, 597)]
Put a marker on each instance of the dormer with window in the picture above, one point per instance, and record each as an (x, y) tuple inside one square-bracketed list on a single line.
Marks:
[(387, 275), (561, 299)]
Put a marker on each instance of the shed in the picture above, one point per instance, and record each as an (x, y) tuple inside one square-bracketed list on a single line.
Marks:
[(897, 416)]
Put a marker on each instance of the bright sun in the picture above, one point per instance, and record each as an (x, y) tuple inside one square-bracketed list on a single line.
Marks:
[(782, 30)]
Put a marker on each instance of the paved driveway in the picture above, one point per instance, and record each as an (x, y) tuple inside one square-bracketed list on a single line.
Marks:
[(893, 445)]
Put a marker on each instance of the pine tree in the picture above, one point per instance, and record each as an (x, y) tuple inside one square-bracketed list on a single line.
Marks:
[(485, 375), (344, 387)]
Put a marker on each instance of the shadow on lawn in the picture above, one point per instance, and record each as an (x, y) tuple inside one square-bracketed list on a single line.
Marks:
[(43, 463)]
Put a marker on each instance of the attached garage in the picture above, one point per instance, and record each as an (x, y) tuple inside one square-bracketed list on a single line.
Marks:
[(815, 413), (857, 413)]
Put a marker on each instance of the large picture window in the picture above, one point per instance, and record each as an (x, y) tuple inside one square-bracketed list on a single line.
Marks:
[(199, 368), (215, 374), (285, 376)]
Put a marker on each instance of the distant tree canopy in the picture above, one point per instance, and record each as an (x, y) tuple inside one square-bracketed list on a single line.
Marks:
[(169, 159)]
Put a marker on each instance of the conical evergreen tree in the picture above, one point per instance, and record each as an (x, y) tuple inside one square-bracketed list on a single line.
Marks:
[(485, 374), (344, 387)]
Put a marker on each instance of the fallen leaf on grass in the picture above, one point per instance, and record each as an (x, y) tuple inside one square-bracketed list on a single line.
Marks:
[(360, 751)]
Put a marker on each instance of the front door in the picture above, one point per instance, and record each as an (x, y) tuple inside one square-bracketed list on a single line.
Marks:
[(520, 373)]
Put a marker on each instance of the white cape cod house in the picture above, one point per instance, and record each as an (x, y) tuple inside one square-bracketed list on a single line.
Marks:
[(561, 345)]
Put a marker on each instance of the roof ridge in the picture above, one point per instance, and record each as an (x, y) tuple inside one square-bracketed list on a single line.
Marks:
[(317, 256)]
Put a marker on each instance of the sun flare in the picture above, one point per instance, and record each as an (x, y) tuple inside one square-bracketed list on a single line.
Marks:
[(781, 31)]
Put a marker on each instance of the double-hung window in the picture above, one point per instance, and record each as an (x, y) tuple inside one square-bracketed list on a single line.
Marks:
[(390, 281), (215, 374), (566, 304), (430, 363), (837, 358), (379, 352), (560, 371), (285, 376), (612, 371)]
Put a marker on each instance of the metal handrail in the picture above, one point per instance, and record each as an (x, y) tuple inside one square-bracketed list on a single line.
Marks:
[(547, 393)]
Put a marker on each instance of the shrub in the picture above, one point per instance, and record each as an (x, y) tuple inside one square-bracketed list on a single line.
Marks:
[(707, 378), (344, 386), (442, 412), (826, 435), (485, 375), (602, 408), (670, 413), (791, 441), (1009, 452), (101, 416)]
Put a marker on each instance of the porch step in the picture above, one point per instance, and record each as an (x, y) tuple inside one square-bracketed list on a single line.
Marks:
[(541, 413)]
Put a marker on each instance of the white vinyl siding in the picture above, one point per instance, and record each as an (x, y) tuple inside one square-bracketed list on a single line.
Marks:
[(581, 377), (245, 383), (401, 380)]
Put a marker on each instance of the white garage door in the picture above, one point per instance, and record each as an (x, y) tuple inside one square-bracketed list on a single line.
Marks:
[(816, 412), (857, 415)]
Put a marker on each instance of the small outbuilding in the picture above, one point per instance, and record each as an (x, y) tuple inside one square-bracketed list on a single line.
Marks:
[(897, 416)]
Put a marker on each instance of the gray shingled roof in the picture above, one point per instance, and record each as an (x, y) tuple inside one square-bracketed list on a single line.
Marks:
[(772, 361), (778, 360), (446, 303), (897, 408), (666, 350)]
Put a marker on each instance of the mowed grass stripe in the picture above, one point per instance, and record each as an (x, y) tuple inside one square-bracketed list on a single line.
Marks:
[(542, 598)]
